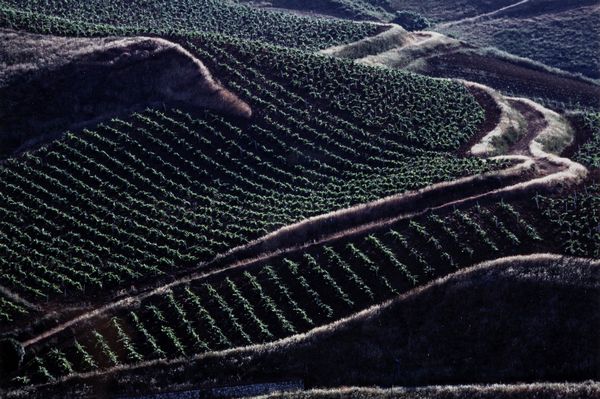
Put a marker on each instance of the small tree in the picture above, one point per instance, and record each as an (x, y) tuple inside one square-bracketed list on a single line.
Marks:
[(411, 20)]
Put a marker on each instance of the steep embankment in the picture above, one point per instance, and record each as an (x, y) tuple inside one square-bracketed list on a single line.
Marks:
[(489, 323), (42, 93)]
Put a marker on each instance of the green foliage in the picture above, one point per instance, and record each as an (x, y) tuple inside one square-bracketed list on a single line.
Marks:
[(133, 198), (86, 361), (204, 318), (10, 310), (295, 292), (575, 218), (444, 225), (354, 9), (226, 309), (164, 17), (40, 371), (335, 259), (475, 227), (132, 353), (61, 362), (411, 21), (198, 343), (382, 250), (284, 294), (325, 309), (269, 304), (155, 350), (435, 114), (589, 152), (325, 277), (247, 310), (103, 346), (515, 216)]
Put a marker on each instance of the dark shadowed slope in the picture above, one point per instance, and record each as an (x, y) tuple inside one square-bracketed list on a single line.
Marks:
[(49, 84)]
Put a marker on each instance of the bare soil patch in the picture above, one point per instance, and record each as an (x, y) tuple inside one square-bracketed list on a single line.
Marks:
[(535, 124)]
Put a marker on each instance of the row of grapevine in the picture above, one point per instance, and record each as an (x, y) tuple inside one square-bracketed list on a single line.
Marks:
[(589, 152), (438, 115), (10, 310), (575, 220), (290, 293)]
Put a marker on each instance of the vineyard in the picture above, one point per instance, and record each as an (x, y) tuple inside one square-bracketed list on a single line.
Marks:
[(354, 9), (218, 16), (339, 225), (292, 293), (295, 292), (133, 199), (589, 152)]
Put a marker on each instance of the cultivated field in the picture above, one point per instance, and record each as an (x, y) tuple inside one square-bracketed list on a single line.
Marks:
[(214, 199)]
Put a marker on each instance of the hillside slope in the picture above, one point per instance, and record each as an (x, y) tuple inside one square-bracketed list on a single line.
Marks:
[(291, 161), (434, 54), (42, 93), (560, 35), (219, 16), (586, 390), (489, 323), (218, 209)]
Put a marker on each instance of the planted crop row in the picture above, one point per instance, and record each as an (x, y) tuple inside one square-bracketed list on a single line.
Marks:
[(575, 220), (292, 293), (9, 310), (589, 152), (437, 115)]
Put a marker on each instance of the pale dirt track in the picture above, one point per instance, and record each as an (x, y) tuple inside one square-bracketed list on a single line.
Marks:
[(482, 16)]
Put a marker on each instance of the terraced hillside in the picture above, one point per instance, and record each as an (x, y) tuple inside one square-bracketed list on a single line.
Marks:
[(188, 186), (433, 54), (538, 31), (282, 295), (353, 9), (258, 202)]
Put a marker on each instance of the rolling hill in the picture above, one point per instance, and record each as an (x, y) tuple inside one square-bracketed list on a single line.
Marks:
[(215, 199), (488, 323)]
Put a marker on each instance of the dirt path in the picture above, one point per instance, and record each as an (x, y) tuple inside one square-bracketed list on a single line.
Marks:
[(536, 170), (481, 16), (324, 330), (356, 219), (535, 124)]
